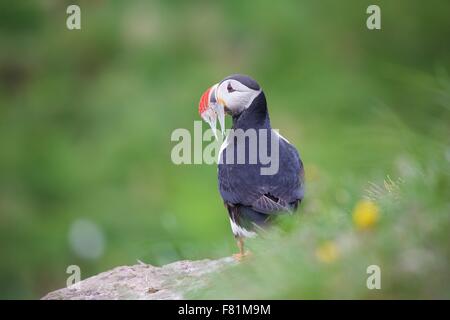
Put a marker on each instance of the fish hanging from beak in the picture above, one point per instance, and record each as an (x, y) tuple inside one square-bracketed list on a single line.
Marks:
[(210, 110)]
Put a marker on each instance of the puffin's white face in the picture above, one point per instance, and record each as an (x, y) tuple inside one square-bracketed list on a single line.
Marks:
[(231, 96), (234, 96)]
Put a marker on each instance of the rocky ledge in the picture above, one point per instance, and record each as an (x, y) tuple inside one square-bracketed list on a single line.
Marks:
[(144, 281)]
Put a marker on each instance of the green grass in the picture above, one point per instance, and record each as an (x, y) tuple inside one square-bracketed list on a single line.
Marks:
[(409, 243)]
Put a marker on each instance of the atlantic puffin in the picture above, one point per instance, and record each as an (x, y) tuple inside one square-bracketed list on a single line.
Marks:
[(251, 196)]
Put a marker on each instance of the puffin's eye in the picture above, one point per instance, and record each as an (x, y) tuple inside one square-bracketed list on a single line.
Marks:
[(230, 88)]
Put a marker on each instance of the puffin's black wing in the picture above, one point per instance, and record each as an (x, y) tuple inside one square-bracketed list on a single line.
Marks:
[(244, 185)]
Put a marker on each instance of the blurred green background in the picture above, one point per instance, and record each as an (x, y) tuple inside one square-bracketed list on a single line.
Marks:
[(86, 118)]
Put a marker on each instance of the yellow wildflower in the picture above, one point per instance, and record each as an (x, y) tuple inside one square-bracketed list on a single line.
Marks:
[(327, 252), (365, 214), (312, 173)]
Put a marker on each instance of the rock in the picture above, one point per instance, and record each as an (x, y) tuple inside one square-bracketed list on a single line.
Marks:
[(143, 281)]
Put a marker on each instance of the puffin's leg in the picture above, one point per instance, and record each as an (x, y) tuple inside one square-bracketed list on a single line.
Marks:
[(240, 244), (242, 254)]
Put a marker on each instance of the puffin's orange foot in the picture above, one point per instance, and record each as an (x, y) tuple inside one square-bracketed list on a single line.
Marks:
[(242, 256)]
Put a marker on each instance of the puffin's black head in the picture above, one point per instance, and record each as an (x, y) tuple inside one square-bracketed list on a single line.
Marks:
[(233, 95)]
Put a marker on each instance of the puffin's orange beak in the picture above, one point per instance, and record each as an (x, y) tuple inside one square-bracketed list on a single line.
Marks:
[(204, 102), (210, 110)]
